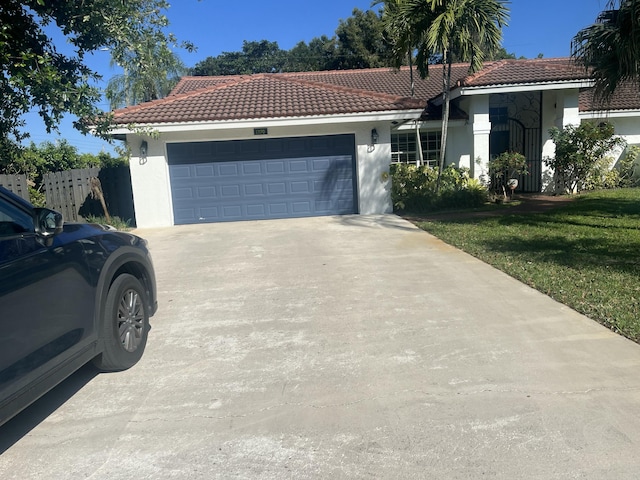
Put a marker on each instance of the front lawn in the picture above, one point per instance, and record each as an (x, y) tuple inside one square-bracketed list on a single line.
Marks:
[(585, 254)]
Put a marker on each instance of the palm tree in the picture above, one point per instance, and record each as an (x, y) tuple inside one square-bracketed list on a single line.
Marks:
[(610, 48), (150, 72), (460, 29)]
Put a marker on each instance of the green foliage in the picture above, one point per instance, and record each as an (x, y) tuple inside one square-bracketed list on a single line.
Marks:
[(36, 160), (580, 151), (36, 76), (506, 166), (115, 222), (255, 57), (414, 188), (464, 30), (358, 43), (627, 166), (610, 48), (151, 70)]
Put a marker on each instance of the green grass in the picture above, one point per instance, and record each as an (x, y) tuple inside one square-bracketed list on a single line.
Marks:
[(585, 254), (116, 222)]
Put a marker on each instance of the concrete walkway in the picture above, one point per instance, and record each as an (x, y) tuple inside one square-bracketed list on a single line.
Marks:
[(342, 347)]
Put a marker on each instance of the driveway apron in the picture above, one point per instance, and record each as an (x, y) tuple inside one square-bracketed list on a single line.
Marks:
[(344, 347)]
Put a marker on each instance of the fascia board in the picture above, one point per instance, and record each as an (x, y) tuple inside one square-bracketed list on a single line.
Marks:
[(604, 114), (519, 88), (397, 115)]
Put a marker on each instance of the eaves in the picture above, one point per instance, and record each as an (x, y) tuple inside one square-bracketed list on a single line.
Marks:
[(389, 115), (516, 88)]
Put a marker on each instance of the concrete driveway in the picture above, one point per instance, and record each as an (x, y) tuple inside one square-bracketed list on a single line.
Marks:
[(341, 347)]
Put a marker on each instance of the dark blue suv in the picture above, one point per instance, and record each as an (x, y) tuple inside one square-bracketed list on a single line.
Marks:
[(69, 294)]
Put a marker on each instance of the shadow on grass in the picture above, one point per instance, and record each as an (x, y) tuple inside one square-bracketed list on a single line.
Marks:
[(592, 232)]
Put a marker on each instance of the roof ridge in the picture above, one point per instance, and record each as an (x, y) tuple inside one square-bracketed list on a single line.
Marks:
[(341, 88), (487, 68), (200, 78), (191, 93)]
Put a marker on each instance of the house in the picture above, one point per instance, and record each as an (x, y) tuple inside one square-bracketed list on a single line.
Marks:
[(320, 143)]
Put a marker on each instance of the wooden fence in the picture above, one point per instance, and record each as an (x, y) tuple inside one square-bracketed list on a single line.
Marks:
[(17, 184), (69, 193)]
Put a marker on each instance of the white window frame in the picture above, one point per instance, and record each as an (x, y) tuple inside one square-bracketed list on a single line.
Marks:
[(404, 147)]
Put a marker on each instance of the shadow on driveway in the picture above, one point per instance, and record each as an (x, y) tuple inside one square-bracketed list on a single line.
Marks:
[(20, 425)]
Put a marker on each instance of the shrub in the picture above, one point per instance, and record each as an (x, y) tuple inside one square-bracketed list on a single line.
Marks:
[(627, 168), (116, 222), (504, 167), (413, 188), (578, 153)]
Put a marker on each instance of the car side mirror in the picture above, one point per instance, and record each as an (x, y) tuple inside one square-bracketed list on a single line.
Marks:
[(48, 223)]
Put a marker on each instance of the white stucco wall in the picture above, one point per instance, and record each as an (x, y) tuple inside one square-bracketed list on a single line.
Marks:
[(150, 176), (627, 126)]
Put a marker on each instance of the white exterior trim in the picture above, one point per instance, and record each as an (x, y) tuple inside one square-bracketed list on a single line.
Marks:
[(273, 122), (603, 114), (521, 87)]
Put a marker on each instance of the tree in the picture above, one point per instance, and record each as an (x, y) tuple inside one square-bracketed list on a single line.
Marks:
[(358, 43), (150, 73), (578, 151), (36, 160), (460, 29), (255, 57), (361, 43), (319, 54), (610, 48), (36, 75)]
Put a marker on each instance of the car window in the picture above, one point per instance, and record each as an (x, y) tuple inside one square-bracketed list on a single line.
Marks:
[(14, 224), (14, 220)]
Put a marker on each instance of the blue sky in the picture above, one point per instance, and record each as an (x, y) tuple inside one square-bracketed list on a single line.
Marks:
[(536, 26)]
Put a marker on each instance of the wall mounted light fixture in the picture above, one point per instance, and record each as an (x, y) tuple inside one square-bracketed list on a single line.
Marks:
[(144, 146), (374, 136)]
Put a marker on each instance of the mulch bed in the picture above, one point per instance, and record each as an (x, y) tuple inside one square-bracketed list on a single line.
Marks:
[(529, 203)]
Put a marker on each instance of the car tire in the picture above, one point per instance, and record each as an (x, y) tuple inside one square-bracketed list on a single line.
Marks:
[(125, 325)]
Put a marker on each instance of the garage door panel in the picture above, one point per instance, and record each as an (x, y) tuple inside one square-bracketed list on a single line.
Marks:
[(256, 210), (179, 171), (219, 188), (272, 167), (228, 169), (206, 192), (251, 168), (254, 189), (203, 171), (183, 193), (298, 166), (300, 187), (230, 191), (276, 188)]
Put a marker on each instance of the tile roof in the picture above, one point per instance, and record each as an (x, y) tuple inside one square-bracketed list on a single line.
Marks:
[(626, 97), (258, 97), (278, 95), (514, 72)]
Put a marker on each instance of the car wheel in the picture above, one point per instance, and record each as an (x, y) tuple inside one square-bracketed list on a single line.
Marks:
[(125, 324)]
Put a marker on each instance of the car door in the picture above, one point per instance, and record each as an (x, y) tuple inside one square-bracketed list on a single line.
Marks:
[(46, 300)]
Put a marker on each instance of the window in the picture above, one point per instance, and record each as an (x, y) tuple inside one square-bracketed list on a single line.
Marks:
[(13, 220), (499, 115), (404, 147)]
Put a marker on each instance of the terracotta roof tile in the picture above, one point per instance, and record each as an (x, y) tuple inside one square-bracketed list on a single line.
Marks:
[(261, 96), (514, 72), (244, 97), (626, 97)]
